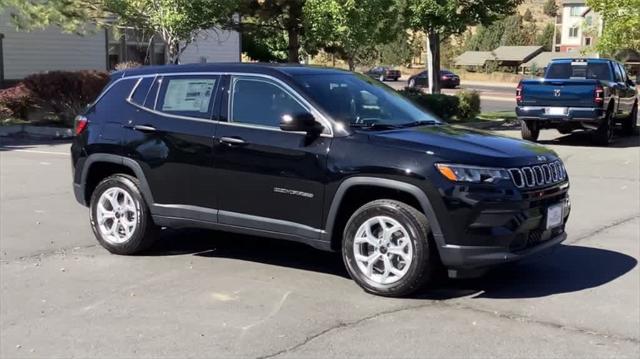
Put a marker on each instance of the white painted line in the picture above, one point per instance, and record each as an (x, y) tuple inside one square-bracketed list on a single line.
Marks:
[(8, 149)]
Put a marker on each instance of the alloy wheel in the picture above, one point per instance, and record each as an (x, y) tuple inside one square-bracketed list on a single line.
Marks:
[(117, 215), (383, 250)]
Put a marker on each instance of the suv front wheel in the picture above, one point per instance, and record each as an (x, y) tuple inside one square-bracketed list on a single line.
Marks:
[(386, 248), (120, 218)]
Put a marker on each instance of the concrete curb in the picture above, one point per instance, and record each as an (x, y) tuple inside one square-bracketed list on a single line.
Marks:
[(40, 132)]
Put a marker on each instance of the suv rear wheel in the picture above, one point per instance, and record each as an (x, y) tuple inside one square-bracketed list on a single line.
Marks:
[(529, 130), (120, 218), (386, 248)]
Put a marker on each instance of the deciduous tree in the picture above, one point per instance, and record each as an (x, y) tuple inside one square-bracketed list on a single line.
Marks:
[(443, 18), (621, 24)]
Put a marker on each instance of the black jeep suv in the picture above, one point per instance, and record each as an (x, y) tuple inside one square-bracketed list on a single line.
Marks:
[(321, 156)]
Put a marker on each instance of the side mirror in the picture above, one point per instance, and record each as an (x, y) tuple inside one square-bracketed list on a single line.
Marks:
[(301, 122)]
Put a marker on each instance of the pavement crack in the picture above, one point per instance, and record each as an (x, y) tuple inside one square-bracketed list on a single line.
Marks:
[(529, 320), (599, 230), (342, 325)]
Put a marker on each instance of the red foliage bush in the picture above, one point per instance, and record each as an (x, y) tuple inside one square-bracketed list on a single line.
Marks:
[(66, 93), (15, 101)]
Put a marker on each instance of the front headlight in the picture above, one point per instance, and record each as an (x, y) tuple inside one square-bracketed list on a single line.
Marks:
[(474, 174)]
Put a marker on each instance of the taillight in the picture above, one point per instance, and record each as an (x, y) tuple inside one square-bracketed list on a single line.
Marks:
[(80, 124), (599, 95), (519, 96)]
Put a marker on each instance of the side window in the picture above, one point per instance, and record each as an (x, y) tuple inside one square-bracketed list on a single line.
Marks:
[(190, 96), (260, 102), (152, 95), (141, 90), (625, 76), (617, 73)]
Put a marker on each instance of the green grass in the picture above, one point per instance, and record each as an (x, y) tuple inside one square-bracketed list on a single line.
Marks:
[(508, 116)]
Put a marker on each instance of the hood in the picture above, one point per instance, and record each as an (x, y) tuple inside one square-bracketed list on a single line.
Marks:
[(465, 145)]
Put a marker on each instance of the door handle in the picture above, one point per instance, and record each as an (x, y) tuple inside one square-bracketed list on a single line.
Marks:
[(144, 128), (232, 141)]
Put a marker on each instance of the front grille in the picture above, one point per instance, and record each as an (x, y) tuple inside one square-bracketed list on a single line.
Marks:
[(538, 175)]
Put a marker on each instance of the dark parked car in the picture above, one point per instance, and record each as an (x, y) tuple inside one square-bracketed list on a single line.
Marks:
[(383, 73), (592, 94), (325, 157), (447, 80)]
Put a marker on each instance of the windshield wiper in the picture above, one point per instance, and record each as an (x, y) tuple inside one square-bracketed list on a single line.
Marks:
[(420, 123), (374, 126)]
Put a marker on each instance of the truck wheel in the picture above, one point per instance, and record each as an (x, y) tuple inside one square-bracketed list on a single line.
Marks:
[(630, 124), (529, 130), (386, 248), (604, 134), (120, 218)]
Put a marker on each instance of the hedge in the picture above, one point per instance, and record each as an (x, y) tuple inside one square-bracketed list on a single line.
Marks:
[(464, 106), (62, 94)]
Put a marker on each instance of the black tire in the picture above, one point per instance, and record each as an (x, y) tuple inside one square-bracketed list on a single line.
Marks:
[(424, 262), (145, 231), (603, 136), (529, 130), (630, 124)]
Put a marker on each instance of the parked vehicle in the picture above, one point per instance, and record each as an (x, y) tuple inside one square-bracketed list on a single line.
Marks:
[(447, 80), (324, 157), (576, 94), (383, 73)]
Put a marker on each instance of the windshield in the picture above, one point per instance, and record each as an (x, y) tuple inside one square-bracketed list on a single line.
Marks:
[(359, 101), (579, 70)]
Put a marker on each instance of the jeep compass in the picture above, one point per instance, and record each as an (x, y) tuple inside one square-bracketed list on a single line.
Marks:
[(325, 157)]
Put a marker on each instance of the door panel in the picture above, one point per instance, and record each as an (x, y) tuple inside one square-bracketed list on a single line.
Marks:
[(268, 179), (173, 142)]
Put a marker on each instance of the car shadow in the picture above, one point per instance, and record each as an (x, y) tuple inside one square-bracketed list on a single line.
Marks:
[(583, 138), (568, 268)]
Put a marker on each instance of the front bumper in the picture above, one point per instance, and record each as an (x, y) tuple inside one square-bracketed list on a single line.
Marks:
[(484, 230), (572, 114)]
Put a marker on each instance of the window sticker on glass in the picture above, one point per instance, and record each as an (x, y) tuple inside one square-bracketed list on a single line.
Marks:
[(188, 95)]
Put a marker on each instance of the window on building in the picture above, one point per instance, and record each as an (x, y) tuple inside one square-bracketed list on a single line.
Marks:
[(573, 31), (575, 11), (135, 46), (587, 41)]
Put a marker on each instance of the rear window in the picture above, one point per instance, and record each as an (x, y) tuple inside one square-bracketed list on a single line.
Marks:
[(579, 70), (140, 92)]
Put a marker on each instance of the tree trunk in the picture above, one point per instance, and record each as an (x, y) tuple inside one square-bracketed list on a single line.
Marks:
[(352, 64), (294, 45), (433, 61)]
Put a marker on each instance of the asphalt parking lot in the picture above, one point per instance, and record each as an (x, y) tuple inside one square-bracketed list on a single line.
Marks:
[(212, 294)]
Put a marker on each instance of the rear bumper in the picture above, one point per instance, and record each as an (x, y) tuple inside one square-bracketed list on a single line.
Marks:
[(572, 114)]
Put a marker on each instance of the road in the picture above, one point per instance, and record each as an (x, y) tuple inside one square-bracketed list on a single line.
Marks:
[(493, 98), (211, 294)]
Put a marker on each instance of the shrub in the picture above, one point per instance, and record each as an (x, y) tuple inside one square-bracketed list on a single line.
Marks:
[(15, 101), (127, 65), (66, 93), (441, 105), (468, 105)]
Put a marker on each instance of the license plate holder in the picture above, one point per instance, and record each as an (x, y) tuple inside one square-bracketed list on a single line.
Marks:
[(554, 216), (557, 111)]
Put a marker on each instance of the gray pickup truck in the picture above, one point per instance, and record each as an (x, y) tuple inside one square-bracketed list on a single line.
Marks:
[(592, 94)]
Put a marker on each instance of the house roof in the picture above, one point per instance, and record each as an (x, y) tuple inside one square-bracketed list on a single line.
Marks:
[(543, 58), (516, 53), (474, 58)]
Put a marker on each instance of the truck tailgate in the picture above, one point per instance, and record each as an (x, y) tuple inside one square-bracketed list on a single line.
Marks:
[(559, 93)]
